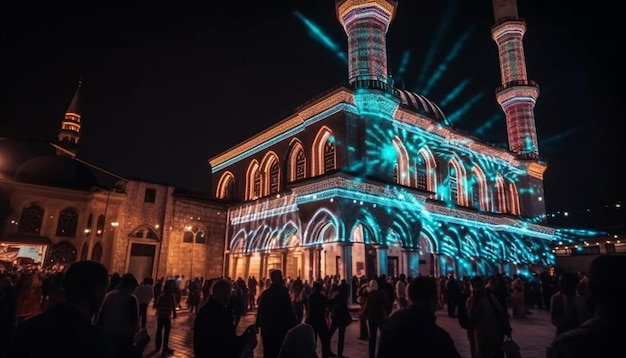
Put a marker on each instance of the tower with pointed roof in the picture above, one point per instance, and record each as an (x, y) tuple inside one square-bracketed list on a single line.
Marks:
[(69, 134), (517, 94)]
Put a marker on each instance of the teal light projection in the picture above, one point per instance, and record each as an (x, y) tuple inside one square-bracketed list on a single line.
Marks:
[(429, 58), (443, 66), (315, 32), (404, 64)]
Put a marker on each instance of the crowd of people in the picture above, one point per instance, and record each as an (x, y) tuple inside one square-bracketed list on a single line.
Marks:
[(86, 311)]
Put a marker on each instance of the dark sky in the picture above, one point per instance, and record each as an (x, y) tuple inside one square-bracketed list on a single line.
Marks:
[(165, 89)]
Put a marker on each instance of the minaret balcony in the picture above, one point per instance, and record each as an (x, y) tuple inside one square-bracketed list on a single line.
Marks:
[(518, 83), (374, 85)]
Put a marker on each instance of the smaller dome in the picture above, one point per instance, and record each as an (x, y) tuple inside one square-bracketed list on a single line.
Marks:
[(57, 171), (422, 105)]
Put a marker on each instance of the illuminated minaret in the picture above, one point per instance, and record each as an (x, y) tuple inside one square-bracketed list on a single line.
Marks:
[(70, 126), (517, 94), (366, 23)]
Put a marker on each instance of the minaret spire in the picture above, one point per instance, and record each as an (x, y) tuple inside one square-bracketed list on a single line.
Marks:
[(366, 23), (517, 94), (70, 126)]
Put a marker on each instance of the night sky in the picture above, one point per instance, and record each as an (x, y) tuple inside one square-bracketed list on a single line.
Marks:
[(165, 89)]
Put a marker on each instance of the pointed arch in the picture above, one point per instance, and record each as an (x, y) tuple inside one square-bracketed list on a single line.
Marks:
[(469, 246), (264, 235), (316, 224), (324, 153), (425, 170), (290, 234), (363, 232), (296, 161), (456, 181), (225, 186), (402, 174), (96, 252), (31, 219), (514, 199), (500, 194), (480, 192), (67, 222), (238, 242), (145, 232), (270, 174), (253, 181), (62, 253)]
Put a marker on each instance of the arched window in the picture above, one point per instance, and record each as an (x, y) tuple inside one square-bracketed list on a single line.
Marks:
[(31, 219), (200, 237), (329, 155), (401, 174), (225, 186), (66, 225), (144, 232), (453, 186), (100, 226), (323, 152), (500, 195), (480, 192), (253, 181), (456, 182), (297, 162), (514, 195), (63, 253), (270, 174), (300, 165), (96, 253), (274, 178), (426, 168), (83, 252), (89, 224), (421, 175), (188, 236)]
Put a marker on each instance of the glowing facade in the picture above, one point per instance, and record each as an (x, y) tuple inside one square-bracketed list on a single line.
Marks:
[(517, 94), (369, 179)]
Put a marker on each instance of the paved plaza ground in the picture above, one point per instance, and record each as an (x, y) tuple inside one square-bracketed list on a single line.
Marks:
[(533, 334)]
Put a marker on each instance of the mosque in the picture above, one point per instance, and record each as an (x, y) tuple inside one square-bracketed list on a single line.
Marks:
[(370, 179), (366, 179)]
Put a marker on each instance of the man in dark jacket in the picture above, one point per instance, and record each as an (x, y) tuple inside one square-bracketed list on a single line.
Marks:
[(416, 326), (275, 315), (66, 329), (214, 332)]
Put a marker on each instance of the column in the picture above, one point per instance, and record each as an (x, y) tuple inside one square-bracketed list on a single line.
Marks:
[(346, 258), (382, 260), (412, 259), (309, 263), (246, 267)]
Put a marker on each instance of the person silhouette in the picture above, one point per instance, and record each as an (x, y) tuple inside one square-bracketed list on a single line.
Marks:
[(66, 329), (603, 335), (275, 315)]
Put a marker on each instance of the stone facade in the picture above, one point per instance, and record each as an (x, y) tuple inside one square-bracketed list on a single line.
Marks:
[(164, 232)]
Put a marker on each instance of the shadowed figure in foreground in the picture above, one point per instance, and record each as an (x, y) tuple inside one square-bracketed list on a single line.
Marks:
[(66, 330), (602, 336)]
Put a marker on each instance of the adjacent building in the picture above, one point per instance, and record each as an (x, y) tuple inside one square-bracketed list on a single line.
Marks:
[(54, 212)]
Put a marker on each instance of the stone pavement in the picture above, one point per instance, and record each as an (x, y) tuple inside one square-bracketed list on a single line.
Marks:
[(533, 334)]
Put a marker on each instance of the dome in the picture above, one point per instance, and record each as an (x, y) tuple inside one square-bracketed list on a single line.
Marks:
[(57, 171), (422, 105), (14, 152)]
